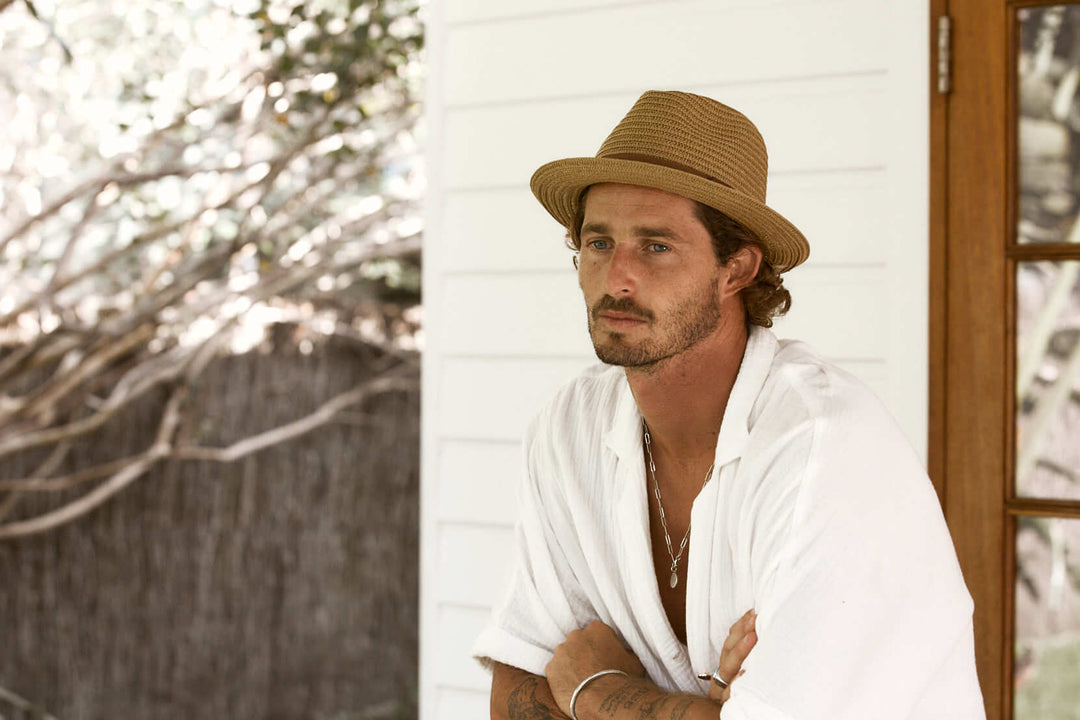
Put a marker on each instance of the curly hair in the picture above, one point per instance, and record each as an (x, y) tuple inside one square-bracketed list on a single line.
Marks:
[(764, 299)]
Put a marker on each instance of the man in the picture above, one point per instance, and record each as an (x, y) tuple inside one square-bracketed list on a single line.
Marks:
[(710, 471)]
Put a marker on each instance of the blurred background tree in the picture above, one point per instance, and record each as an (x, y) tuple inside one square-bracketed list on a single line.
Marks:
[(182, 182), (177, 176)]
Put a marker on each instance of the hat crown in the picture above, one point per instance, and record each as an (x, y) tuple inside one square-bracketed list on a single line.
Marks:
[(694, 134)]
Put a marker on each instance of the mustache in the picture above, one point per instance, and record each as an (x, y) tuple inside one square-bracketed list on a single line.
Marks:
[(623, 305)]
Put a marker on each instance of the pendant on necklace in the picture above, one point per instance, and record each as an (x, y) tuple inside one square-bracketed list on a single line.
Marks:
[(674, 580)]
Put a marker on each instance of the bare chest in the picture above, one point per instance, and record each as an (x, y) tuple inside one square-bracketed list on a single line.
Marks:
[(670, 566)]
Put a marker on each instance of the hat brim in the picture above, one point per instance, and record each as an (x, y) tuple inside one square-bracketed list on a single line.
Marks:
[(558, 185)]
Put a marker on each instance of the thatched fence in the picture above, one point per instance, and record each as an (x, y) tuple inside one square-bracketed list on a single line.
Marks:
[(283, 585)]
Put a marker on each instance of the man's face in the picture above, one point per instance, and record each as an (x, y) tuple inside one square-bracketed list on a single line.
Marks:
[(649, 274)]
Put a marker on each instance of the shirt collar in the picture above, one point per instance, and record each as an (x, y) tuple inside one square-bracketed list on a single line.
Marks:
[(624, 431)]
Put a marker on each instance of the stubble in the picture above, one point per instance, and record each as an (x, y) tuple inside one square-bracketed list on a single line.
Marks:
[(679, 329)]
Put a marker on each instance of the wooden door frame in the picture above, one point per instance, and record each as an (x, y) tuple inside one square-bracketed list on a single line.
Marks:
[(968, 429)]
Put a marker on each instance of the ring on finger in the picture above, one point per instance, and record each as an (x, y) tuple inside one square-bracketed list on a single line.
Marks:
[(715, 677)]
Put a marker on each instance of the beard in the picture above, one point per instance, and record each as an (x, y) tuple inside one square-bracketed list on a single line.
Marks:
[(680, 329)]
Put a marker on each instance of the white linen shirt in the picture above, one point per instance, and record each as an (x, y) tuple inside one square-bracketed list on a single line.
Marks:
[(819, 515)]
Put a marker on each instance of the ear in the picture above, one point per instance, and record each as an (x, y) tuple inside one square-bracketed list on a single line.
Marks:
[(742, 267)]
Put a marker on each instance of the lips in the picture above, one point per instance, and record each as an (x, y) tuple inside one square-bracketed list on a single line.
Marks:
[(619, 308), (621, 321)]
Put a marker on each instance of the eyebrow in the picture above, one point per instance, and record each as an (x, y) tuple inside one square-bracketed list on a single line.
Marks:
[(639, 231)]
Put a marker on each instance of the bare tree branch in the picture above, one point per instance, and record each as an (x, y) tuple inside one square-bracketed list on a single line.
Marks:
[(91, 328), (17, 701), (69, 249), (46, 468), (122, 179), (126, 470), (84, 504), (40, 483), (295, 429), (53, 208), (122, 396), (43, 403)]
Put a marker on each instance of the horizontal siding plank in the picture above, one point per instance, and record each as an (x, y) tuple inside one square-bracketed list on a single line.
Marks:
[(500, 229), (839, 122), (478, 481), (457, 630), (635, 46), (535, 314), (466, 11), (455, 704), (495, 315), (841, 215), (506, 229), (502, 146), (838, 312), (474, 563), (495, 398)]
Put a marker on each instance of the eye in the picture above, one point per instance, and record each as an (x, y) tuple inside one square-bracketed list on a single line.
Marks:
[(658, 247), (599, 244)]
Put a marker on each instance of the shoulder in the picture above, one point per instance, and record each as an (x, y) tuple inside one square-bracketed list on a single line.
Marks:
[(597, 383), (590, 396), (580, 411), (565, 442), (803, 390), (818, 431)]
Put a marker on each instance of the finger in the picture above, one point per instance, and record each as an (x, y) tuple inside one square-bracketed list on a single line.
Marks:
[(738, 632), (716, 693), (733, 655), (739, 628), (740, 641)]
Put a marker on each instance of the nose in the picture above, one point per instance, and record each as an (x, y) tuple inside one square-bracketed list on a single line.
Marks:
[(621, 277)]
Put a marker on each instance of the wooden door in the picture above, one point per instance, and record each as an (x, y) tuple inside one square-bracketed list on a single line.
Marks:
[(1005, 339)]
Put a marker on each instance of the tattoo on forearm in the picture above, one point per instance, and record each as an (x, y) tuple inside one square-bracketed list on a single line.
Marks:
[(650, 703), (522, 703), (625, 697), (653, 705), (648, 709), (681, 708)]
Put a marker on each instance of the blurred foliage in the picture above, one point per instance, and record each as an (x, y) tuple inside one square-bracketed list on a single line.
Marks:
[(148, 137), (1047, 688), (176, 177)]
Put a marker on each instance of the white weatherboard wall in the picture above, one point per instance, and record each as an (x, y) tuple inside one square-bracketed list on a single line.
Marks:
[(838, 89)]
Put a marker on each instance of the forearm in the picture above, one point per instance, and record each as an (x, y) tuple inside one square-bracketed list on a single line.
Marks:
[(520, 695), (620, 690), (613, 697)]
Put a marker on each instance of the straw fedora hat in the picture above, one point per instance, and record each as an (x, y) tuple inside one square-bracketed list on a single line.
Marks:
[(688, 145)]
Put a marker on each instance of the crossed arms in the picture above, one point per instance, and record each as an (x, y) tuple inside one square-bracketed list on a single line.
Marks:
[(519, 695)]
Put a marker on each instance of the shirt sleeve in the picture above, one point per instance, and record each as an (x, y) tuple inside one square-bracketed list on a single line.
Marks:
[(862, 610), (543, 602)]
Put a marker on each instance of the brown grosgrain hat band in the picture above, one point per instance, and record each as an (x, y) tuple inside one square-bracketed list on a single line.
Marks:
[(688, 145)]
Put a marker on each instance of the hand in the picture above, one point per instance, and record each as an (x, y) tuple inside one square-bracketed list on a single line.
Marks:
[(740, 640), (594, 648)]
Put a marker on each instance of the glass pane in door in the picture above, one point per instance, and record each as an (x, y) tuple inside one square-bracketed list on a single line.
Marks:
[(1049, 124), (1046, 664), (1048, 379)]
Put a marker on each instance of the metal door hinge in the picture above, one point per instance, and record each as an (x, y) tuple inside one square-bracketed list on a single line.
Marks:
[(944, 52)]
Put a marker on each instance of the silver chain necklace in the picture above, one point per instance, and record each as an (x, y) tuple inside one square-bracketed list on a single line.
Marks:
[(660, 504)]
